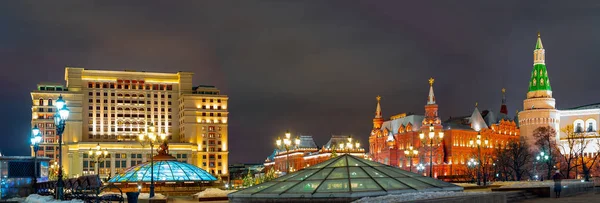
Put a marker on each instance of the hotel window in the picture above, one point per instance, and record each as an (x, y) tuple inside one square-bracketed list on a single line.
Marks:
[(90, 85), (97, 85), (90, 94), (218, 101), (97, 93)]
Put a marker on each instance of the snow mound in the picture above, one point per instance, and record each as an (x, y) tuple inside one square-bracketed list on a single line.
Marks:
[(35, 198), (147, 196), (407, 197), (213, 192)]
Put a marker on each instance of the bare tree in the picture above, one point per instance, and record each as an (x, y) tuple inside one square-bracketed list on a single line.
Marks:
[(503, 162), (520, 156), (568, 149), (587, 162), (545, 140)]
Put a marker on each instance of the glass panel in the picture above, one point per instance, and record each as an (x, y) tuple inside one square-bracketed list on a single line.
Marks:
[(303, 174), (364, 184), (390, 172), (279, 187), (339, 163), (305, 187), (374, 173), (340, 185), (356, 172), (391, 184), (413, 183), (257, 188), (435, 182), (353, 162), (338, 173), (323, 164), (320, 175)]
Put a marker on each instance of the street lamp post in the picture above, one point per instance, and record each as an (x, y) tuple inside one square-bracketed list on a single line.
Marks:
[(97, 155), (472, 163), (151, 134), (35, 141), (60, 119), (477, 144), (287, 143), (410, 153), (433, 141), (543, 157)]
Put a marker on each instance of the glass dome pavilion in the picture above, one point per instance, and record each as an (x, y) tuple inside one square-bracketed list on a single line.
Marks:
[(341, 179), (166, 169)]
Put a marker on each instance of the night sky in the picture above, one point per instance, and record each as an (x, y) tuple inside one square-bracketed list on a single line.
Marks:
[(314, 67)]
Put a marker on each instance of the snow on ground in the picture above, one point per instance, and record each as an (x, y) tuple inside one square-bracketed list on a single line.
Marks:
[(147, 196), (35, 198), (407, 197), (213, 192)]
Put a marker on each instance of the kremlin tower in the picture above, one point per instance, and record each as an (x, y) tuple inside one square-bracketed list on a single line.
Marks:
[(539, 108)]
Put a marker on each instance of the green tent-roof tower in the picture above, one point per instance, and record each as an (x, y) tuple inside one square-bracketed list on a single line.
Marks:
[(539, 75)]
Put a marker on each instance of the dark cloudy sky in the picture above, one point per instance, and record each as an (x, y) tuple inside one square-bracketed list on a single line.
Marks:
[(311, 66)]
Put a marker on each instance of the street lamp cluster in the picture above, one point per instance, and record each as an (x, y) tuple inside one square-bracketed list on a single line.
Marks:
[(60, 119), (420, 168), (542, 157), (433, 142), (287, 143), (349, 145), (97, 155), (410, 153), (150, 137), (477, 143), (36, 139)]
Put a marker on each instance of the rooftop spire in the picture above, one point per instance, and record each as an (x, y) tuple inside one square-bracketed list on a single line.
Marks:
[(378, 110), (431, 97), (539, 75), (538, 44), (503, 109)]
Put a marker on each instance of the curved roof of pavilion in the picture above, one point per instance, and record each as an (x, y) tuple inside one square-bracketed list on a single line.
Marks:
[(343, 177), (166, 169)]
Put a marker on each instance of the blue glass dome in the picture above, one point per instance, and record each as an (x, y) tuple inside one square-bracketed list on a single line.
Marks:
[(164, 171)]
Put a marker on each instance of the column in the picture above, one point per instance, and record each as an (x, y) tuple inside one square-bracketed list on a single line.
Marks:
[(128, 160), (112, 164)]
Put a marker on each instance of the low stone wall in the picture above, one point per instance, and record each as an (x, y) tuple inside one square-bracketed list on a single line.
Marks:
[(546, 188), (487, 198)]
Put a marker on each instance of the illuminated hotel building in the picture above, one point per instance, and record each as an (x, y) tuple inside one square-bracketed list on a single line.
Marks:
[(110, 108)]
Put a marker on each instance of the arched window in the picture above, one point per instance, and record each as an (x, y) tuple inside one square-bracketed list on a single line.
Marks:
[(41, 102), (578, 126), (590, 125), (49, 102)]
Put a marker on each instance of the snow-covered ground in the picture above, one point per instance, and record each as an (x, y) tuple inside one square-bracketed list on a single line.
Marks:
[(407, 197), (35, 198), (213, 192), (147, 196)]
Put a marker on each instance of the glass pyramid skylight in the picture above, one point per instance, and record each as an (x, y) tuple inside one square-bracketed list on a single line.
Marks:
[(164, 171), (343, 177)]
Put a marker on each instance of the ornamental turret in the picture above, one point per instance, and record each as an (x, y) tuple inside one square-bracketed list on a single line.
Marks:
[(539, 107), (431, 108), (378, 120)]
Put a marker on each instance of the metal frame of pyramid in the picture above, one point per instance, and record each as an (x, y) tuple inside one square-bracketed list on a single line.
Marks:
[(343, 178)]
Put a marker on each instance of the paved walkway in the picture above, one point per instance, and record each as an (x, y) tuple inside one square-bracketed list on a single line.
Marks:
[(588, 197)]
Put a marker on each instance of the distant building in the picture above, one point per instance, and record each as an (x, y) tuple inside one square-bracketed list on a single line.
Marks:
[(307, 153), (389, 139), (237, 172), (110, 108)]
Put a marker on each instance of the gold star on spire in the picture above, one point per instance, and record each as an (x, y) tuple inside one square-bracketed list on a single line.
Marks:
[(503, 90), (431, 80), (476, 104), (378, 98), (539, 34)]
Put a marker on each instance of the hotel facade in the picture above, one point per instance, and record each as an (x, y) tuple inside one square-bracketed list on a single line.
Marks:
[(111, 108)]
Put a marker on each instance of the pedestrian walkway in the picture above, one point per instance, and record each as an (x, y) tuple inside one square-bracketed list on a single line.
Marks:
[(588, 197)]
